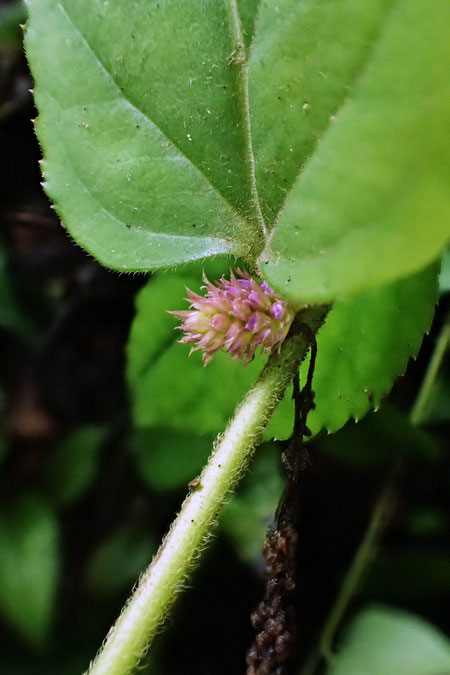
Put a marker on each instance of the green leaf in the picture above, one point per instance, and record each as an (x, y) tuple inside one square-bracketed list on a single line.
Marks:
[(73, 464), (119, 560), (246, 517), (364, 345), (29, 564), (165, 145), (168, 459), (382, 640), (371, 204), (145, 134)]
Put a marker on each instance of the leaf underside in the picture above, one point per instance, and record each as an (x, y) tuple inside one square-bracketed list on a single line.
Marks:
[(175, 131)]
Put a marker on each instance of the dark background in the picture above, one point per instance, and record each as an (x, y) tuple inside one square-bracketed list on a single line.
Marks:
[(62, 381)]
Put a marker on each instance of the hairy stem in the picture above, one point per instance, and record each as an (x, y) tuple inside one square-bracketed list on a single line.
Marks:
[(151, 600)]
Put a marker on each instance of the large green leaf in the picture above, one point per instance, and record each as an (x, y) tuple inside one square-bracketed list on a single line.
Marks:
[(372, 204), (171, 130), (364, 345), (142, 119), (28, 566), (384, 641)]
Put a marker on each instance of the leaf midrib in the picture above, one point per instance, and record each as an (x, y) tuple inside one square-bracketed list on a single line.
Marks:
[(237, 36), (359, 74)]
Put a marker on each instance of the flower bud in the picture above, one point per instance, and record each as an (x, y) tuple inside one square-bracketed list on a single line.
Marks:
[(235, 316)]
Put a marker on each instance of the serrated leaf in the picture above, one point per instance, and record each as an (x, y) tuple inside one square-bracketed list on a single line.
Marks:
[(371, 205), (383, 640), (144, 135), (29, 563), (363, 346)]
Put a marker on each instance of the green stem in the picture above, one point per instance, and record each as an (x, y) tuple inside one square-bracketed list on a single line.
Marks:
[(423, 397), (150, 602), (361, 562)]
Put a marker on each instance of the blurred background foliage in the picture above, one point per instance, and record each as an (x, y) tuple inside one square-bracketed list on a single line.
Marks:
[(93, 469)]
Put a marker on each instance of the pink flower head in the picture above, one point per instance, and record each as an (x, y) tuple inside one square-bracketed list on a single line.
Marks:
[(237, 316)]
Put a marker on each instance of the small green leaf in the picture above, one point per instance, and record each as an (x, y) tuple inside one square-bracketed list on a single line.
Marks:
[(364, 345), (119, 560), (146, 155), (384, 641), (371, 205), (29, 563), (73, 465)]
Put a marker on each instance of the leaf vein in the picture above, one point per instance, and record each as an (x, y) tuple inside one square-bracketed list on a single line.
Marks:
[(359, 73), (136, 110), (240, 59)]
